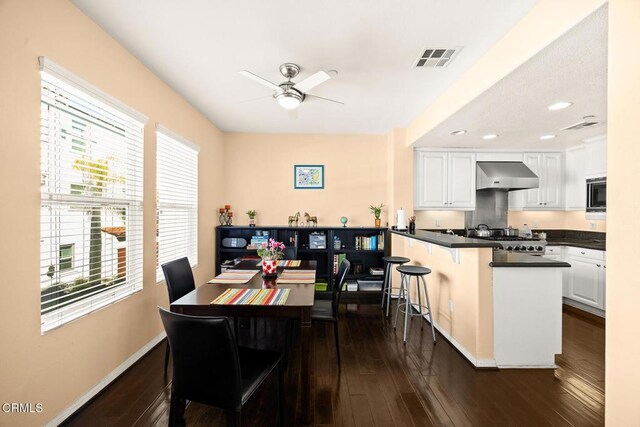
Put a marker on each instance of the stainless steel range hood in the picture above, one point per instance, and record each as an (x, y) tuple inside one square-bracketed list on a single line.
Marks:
[(505, 176)]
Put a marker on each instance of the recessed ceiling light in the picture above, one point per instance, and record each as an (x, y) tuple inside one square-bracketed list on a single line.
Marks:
[(560, 105), (458, 132), (547, 136), (490, 136)]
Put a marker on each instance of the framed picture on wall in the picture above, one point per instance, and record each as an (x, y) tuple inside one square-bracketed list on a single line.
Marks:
[(308, 177)]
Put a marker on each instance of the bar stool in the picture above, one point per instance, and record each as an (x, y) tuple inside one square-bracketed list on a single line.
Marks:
[(406, 273), (387, 286)]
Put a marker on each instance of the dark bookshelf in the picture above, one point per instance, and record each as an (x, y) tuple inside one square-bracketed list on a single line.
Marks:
[(351, 239)]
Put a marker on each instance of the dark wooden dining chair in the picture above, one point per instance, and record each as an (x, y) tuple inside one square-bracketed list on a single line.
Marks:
[(327, 310), (210, 368), (179, 278), (290, 252)]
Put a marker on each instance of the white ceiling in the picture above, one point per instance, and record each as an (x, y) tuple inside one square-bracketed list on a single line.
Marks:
[(199, 46), (573, 68)]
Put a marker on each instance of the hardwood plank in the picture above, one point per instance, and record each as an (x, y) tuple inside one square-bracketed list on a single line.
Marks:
[(382, 382)]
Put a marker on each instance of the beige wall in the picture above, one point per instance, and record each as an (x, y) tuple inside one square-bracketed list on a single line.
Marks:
[(574, 220), (545, 220), (468, 285), (62, 365), (623, 207), (260, 177), (399, 175)]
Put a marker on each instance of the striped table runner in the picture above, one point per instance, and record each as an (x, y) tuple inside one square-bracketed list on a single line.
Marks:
[(253, 297), (284, 263), (297, 276), (234, 277)]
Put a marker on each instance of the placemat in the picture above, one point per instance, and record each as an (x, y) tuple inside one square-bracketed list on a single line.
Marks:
[(234, 277), (284, 263), (297, 276), (253, 297)]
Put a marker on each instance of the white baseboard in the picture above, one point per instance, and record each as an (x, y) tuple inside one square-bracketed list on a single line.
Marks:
[(69, 410), (478, 363)]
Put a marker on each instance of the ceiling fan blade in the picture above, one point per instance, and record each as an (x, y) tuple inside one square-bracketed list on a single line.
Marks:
[(312, 81), (324, 99), (260, 80), (256, 99)]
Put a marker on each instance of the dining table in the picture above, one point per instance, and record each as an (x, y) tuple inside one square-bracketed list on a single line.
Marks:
[(297, 307)]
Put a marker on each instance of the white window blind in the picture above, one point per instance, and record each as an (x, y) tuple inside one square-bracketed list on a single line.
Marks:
[(177, 198), (91, 198)]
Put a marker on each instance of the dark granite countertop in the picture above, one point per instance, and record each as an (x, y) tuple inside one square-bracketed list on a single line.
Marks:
[(579, 243), (447, 240), (514, 259)]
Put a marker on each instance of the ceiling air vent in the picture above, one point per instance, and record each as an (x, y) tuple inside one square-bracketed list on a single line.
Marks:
[(436, 57), (587, 121)]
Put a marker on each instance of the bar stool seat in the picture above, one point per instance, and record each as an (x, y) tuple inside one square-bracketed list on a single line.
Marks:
[(406, 273), (413, 270), (387, 288)]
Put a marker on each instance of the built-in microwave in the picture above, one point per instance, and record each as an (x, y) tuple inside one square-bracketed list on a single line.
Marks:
[(597, 194)]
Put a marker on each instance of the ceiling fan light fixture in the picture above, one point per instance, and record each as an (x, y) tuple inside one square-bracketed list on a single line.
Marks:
[(289, 100)]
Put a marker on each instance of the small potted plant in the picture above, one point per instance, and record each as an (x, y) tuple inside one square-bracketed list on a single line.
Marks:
[(271, 252), (252, 217), (377, 210)]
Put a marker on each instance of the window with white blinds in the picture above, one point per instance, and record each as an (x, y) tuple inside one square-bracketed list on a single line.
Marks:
[(91, 198), (177, 199)]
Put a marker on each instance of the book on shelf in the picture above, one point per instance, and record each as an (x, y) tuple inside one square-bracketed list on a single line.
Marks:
[(337, 260), (369, 243)]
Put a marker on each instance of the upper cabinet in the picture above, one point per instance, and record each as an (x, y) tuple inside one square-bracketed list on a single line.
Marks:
[(574, 179), (596, 157), (549, 195), (445, 181)]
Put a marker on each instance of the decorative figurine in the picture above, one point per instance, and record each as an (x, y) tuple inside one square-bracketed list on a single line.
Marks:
[(311, 219), (226, 216), (344, 221), (252, 217), (294, 219)]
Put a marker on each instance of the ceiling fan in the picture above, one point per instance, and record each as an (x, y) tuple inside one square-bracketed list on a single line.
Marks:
[(289, 94)]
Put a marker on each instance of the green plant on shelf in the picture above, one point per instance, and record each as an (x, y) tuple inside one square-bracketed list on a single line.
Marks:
[(376, 210)]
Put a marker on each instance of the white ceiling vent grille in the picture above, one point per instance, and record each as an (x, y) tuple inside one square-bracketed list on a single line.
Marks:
[(436, 57), (587, 121)]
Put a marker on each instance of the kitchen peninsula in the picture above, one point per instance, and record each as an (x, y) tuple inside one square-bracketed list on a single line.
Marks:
[(499, 309)]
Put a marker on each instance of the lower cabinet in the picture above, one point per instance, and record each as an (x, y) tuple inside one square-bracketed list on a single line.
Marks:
[(585, 282)]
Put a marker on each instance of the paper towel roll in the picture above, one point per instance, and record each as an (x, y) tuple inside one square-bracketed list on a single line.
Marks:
[(402, 224)]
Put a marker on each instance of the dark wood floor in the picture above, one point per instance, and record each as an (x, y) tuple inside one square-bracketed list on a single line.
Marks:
[(384, 383)]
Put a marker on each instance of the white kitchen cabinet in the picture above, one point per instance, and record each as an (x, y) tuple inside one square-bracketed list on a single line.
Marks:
[(575, 179), (596, 164), (587, 283), (557, 253), (444, 181), (549, 195)]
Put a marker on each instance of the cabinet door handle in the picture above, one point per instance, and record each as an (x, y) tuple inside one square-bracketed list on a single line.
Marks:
[(545, 203), (540, 203), (582, 252), (598, 265)]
